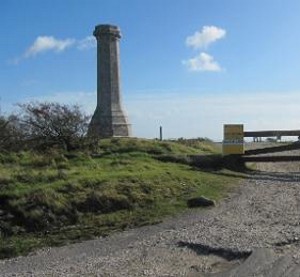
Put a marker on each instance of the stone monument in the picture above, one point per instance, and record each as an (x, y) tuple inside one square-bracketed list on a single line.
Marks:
[(109, 119)]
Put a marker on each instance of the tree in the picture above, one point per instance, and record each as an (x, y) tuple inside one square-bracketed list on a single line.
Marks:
[(47, 124), (3, 131), (10, 133)]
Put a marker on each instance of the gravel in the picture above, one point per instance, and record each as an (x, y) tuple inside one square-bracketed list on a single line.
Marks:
[(264, 211)]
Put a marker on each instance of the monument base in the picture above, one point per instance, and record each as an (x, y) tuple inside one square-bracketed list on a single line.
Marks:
[(106, 126)]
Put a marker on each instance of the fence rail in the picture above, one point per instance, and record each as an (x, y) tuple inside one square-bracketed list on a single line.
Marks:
[(271, 133)]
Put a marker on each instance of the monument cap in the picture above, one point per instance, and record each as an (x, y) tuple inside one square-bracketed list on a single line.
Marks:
[(107, 29)]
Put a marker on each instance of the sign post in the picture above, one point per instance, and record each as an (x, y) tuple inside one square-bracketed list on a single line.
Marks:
[(233, 142)]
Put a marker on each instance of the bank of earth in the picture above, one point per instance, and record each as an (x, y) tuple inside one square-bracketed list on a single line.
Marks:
[(55, 198)]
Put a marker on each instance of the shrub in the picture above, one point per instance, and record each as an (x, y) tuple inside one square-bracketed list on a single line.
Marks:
[(47, 125), (11, 136), (105, 202)]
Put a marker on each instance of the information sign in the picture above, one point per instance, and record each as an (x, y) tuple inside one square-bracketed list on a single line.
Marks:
[(233, 142)]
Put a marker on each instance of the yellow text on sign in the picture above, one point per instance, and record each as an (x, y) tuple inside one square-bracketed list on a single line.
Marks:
[(233, 142)]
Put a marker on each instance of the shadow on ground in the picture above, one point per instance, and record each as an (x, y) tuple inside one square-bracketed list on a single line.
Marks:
[(225, 253)]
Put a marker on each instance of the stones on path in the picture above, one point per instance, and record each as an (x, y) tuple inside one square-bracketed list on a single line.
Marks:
[(262, 262), (200, 202)]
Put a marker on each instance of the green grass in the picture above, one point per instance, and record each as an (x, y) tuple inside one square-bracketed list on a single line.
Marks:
[(55, 198)]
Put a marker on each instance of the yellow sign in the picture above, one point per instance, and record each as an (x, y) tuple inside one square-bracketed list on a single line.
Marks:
[(233, 142)]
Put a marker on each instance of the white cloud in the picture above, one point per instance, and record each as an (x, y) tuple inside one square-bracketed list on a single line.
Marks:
[(14, 61), (197, 115), (205, 37), (184, 115), (202, 39), (86, 43), (202, 62), (48, 43)]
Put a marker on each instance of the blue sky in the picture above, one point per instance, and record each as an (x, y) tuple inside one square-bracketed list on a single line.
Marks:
[(188, 65)]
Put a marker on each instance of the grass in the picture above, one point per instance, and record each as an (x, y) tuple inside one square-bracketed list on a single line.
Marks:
[(56, 198)]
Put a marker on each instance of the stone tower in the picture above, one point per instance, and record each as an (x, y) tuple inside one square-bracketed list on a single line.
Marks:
[(109, 119)]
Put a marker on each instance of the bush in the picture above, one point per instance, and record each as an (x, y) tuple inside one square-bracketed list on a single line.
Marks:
[(46, 125), (105, 202), (10, 133)]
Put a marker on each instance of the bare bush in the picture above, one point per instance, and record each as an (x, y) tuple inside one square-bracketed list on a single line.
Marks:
[(10, 134), (46, 125)]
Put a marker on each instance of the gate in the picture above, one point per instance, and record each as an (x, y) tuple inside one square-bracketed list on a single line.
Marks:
[(251, 155)]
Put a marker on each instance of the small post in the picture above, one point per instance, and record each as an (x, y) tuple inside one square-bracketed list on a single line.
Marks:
[(160, 133)]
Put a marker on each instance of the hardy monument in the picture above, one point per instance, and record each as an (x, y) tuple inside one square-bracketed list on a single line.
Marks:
[(109, 119)]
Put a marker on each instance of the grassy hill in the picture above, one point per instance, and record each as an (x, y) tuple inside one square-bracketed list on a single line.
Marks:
[(55, 198)]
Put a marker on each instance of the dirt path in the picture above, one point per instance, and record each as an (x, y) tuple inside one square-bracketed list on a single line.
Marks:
[(264, 212)]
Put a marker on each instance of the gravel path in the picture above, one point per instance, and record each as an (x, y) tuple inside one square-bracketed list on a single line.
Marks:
[(264, 212)]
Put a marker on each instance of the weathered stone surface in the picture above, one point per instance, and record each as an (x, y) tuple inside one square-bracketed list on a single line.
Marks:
[(262, 262), (109, 118), (200, 202)]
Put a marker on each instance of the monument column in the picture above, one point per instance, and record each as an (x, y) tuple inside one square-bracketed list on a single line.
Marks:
[(109, 119)]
